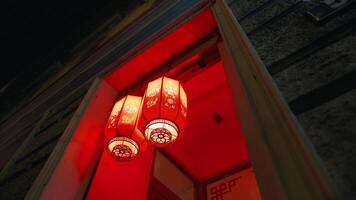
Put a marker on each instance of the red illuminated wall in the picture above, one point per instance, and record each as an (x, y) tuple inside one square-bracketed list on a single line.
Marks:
[(122, 180)]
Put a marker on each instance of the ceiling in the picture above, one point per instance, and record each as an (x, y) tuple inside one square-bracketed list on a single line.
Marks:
[(162, 51)]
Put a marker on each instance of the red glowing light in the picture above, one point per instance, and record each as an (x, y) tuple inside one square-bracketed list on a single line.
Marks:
[(123, 139), (164, 111)]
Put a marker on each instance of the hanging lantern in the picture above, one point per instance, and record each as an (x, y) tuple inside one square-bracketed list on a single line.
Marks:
[(164, 111), (122, 138)]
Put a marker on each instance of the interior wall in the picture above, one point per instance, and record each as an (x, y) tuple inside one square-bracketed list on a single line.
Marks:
[(122, 180)]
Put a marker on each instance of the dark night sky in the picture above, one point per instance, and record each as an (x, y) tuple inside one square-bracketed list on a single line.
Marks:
[(43, 31), (31, 29)]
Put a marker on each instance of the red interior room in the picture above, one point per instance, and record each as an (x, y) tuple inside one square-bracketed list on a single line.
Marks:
[(210, 160)]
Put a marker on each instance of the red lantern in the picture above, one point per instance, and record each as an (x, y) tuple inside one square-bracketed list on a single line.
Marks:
[(122, 138), (164, 111)]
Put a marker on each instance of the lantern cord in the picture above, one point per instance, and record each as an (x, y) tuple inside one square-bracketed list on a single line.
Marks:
[(169, 67)]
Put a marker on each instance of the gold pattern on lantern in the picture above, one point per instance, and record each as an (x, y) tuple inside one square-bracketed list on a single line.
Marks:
[(114, 113), (170, 94), (183, 99), (153, 92), (152, 102), (130, 109), (112, 120), (183, 111), (126, 119)]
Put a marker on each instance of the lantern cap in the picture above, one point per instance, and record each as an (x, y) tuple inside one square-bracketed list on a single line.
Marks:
[(123, 148), (161, 132)]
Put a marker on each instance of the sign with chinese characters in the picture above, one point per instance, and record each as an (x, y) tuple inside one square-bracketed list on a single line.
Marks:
[(241, 185)]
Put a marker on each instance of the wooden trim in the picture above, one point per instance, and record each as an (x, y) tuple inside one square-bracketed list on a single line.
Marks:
[(92, 176), (200, 193), (283, 158), (43, 178)]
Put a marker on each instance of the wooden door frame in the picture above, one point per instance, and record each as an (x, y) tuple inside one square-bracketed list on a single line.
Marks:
[(60, 177), (285, 163)]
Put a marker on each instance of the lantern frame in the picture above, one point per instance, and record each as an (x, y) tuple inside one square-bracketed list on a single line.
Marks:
[(122, 138)]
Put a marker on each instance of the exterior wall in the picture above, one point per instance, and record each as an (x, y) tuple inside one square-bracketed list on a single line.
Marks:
[(30, 162), (314, 66)]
